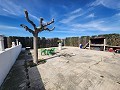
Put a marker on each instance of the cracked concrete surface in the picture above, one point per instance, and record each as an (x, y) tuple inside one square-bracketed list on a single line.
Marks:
[(86, 70), (70, 69)]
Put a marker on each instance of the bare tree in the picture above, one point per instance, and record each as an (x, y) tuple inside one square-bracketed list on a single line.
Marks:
[(35, 32)]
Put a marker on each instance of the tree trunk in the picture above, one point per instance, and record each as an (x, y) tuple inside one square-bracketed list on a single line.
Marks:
[(35, 49)]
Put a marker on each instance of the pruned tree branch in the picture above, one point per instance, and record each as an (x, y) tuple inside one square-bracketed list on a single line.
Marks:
[(31, 22), (41, 22), (49, 29), (48, 23), (35, 32), (26, 28)]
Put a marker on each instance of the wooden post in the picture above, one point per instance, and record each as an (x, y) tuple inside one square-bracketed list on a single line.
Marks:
[(78, 41), (104, 44), (89, 44), (64, 42)]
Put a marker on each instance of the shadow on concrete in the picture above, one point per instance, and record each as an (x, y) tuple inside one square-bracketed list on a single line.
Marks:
[(34, 80), (63, 48), (57, 55), (21, 76), (46, 59)]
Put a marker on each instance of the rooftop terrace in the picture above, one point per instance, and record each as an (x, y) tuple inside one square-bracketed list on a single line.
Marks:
[(69, 69)]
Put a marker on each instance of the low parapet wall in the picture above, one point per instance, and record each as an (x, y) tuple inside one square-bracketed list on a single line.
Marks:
[(7, 59)]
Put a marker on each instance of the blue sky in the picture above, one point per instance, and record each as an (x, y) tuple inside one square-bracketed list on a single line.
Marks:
[(72, 17)]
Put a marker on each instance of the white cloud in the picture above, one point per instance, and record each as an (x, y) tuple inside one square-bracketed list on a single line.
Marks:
[(76, 11), (10, 8), (109, 25), (94, 25), (118, 14), (90, 15), (114, 4), (61, 31), (53, 13), (34, 17), (98, 25), (70, 18), (96, 3), (74, 14), (6, 27), (65, 7)]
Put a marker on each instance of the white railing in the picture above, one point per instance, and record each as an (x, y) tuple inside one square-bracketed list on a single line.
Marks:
[(7, 59)]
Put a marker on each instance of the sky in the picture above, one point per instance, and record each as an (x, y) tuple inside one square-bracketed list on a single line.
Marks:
[(72, 17)]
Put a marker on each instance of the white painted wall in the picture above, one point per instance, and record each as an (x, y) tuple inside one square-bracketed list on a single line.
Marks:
[(7, 59)]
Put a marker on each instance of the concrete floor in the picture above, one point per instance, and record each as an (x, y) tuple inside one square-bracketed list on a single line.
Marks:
[(79, 69), (69, 69)]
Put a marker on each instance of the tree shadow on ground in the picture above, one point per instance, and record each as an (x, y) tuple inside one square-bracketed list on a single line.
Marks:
[(34, 78), (42, 61), (63, 48)]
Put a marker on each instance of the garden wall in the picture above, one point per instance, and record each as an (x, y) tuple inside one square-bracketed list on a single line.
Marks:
[(7, 59)]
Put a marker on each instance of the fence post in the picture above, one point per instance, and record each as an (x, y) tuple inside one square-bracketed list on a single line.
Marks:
[(1, 43)]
